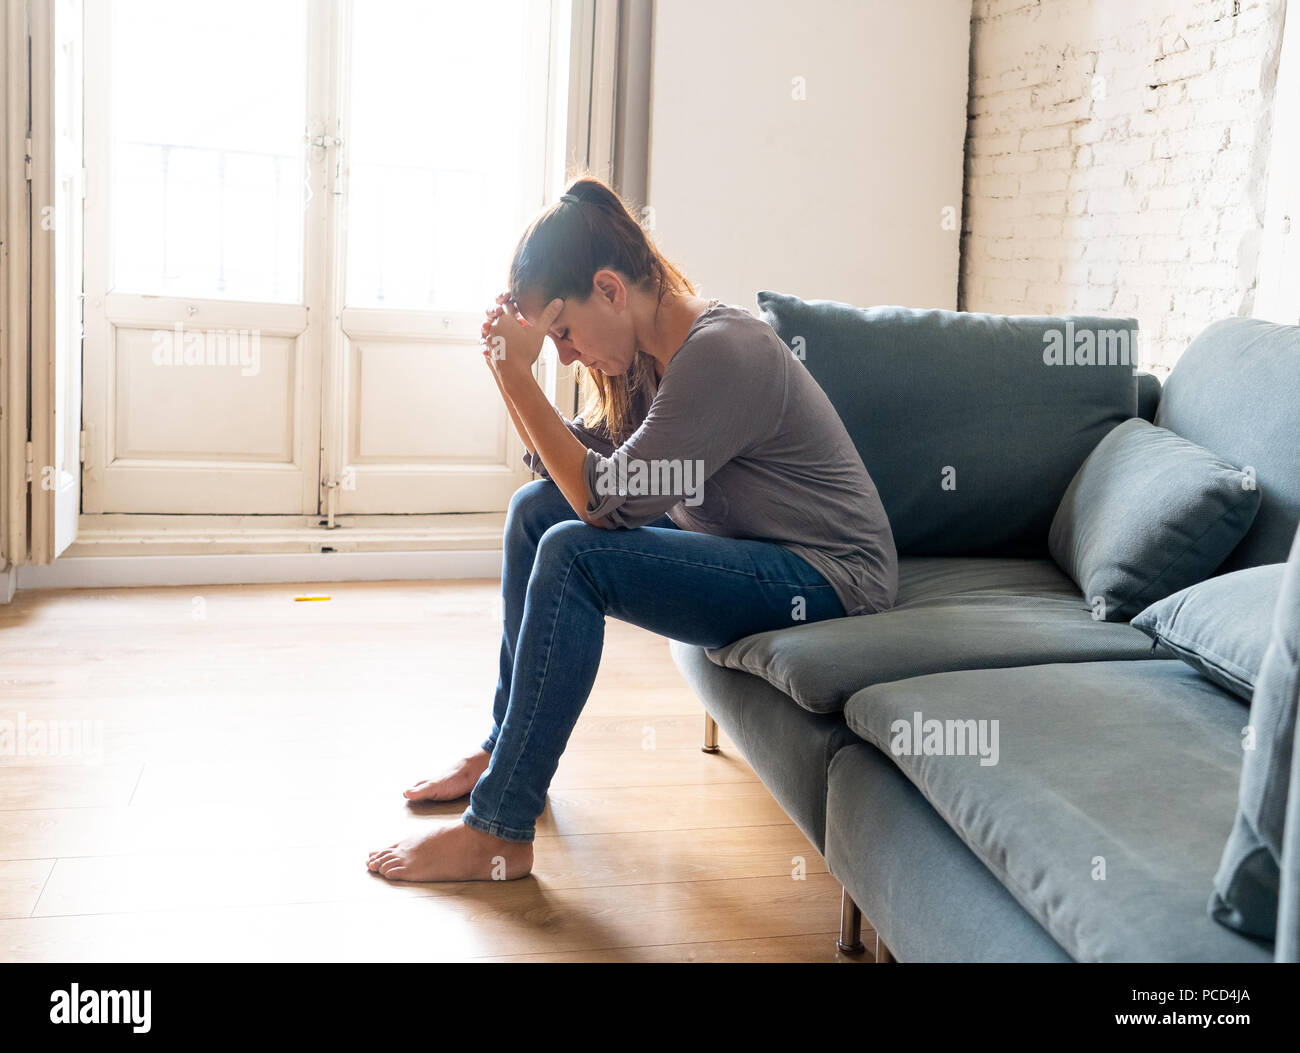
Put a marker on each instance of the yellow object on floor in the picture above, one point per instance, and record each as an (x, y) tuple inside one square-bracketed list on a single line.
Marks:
[(302, 599)]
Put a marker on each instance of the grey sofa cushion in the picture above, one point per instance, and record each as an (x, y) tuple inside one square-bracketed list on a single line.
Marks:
[(907, 871), (1130, 766), (1245, 893), (1236, 391), (1148, 513), (1220, 627), (967, 400), (950, 614)]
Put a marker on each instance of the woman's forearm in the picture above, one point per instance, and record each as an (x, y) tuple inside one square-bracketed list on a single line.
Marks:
[(515, 419), (564, 456)]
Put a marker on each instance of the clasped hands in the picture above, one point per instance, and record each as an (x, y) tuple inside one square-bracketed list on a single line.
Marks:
[(511, 345)]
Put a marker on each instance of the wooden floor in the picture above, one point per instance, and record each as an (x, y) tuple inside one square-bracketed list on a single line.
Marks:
[(243, 752)]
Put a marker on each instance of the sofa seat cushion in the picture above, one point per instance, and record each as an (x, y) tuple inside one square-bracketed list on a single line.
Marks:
[(1113, 790), (951, 614)]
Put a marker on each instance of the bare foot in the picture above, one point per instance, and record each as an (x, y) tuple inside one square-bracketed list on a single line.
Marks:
[(456, 782), (453, 852)]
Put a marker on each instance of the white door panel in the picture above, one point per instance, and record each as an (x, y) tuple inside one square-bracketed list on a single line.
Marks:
[(221, 414), (192, 404), (206, 203), (422, 402), (435, 199), (423, 424)]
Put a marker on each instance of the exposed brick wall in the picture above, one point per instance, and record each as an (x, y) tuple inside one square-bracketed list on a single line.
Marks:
[(1116, 160)]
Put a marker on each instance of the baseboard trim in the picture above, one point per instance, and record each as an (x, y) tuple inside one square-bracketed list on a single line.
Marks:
[(157, 535), (98, 572)]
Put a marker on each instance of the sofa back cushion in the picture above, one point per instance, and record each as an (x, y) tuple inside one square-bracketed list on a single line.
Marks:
[(971, 425), (1236, 391)]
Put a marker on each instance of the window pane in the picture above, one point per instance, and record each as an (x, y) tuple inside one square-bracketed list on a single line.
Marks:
[(207, 111), (445, 148)]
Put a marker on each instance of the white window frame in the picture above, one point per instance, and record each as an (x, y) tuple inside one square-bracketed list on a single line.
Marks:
[(593, 47)]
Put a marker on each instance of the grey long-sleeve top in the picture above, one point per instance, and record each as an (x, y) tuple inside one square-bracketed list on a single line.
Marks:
[(738, 440)]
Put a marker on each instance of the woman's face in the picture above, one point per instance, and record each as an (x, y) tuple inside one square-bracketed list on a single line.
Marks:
[(596, 332)]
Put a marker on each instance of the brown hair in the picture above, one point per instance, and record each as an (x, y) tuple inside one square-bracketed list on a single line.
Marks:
[(559, 255)]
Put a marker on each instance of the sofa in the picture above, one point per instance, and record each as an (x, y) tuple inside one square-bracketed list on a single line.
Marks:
[(1031, 472)]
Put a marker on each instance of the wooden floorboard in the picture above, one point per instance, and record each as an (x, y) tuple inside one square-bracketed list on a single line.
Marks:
[(240, 753)]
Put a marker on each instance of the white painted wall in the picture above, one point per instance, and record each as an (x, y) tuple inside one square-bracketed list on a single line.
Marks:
[(840, 195)]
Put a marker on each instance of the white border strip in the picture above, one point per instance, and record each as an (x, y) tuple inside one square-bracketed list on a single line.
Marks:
[(99, 572), (1277, 297)]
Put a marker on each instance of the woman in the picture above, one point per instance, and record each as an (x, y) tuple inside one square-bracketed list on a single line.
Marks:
[(709, 491)]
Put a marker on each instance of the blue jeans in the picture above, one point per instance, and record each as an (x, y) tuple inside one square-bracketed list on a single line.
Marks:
[(561, 578)]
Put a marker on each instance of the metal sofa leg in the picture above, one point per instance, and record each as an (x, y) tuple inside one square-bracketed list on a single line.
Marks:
[(710, 735), (883, 953), (850, 941)]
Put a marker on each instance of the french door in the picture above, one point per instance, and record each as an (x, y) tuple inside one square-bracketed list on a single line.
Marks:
[(295, 213)]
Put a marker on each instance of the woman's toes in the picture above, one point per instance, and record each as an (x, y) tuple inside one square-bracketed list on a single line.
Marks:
[(424, 790)]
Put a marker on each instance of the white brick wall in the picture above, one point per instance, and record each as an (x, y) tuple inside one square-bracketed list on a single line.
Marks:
[(1116, 160)]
